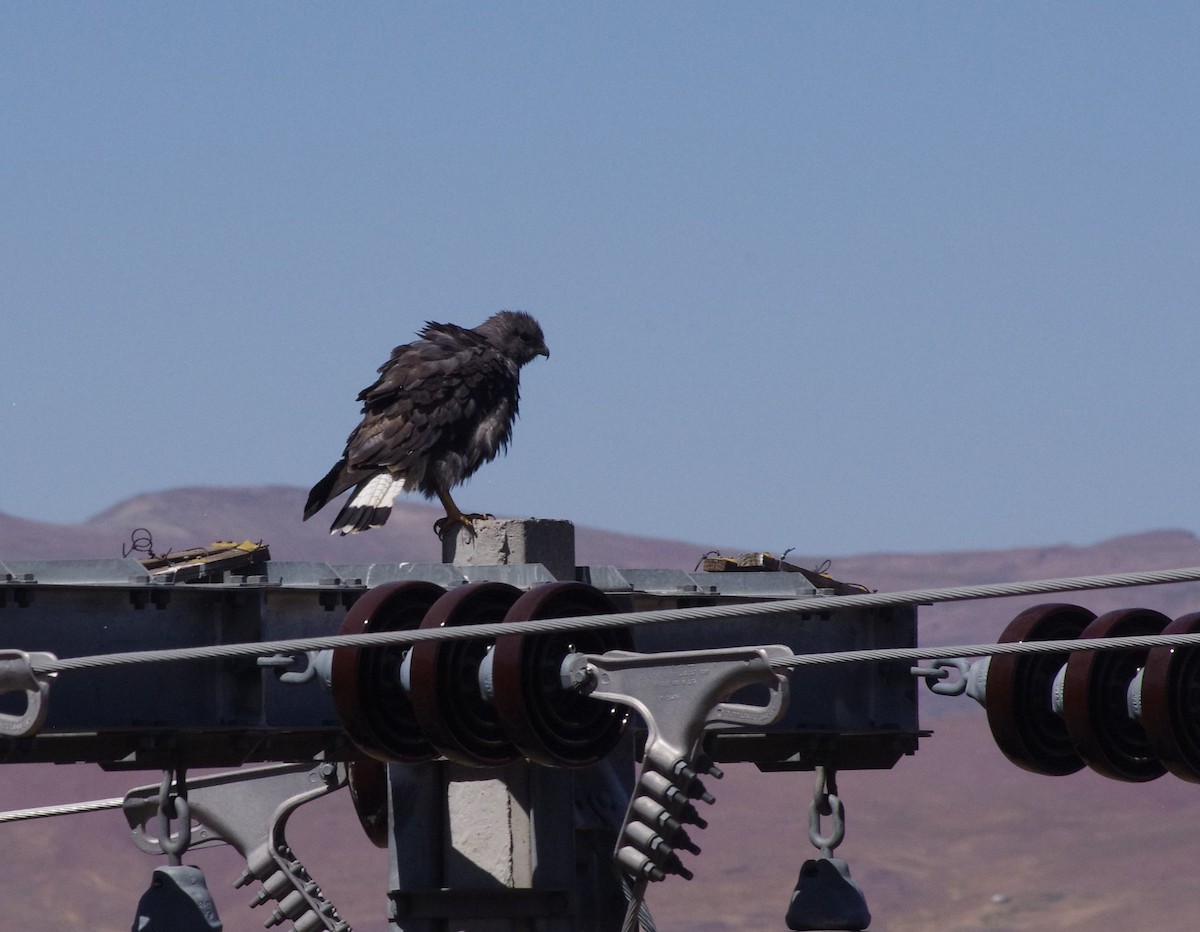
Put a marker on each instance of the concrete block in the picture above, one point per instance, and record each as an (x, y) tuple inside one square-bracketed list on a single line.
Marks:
[(550, 542)]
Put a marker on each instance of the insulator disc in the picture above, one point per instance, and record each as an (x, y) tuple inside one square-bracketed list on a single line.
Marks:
[(368, 792), (1096, 699), (444, 679), (1019, 692), (552, 725), (1171, 702), (374, 708)]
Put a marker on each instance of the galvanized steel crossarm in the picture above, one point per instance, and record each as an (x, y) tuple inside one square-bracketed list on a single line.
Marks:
[(815, 604)]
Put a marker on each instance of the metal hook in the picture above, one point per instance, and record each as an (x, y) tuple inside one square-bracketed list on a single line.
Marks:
[(17, 675), (174, 803), (826, 802), (281, 663), (938, 679)]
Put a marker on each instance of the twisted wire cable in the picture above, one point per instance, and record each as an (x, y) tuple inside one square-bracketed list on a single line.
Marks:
[(912, 654), (42, 812), (812, 604)]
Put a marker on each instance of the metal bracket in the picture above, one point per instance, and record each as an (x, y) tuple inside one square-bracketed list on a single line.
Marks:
[(17, 674), (248, 809), (679, 694)]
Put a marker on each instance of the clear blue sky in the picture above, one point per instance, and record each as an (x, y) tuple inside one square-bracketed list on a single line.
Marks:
[(840, 277)]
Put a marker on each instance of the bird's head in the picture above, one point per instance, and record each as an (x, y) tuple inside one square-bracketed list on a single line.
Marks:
[(516, 334)]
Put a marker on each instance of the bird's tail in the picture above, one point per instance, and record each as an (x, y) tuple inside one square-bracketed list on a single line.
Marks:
[(369, 506), (325, 490)]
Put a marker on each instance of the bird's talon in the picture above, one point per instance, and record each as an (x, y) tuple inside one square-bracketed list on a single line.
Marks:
[(441, 525)]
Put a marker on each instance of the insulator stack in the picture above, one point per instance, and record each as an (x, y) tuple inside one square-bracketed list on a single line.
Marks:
[(1171, 709), (368, 691), (479, 702), (444, 679), (550, 725), (1129, 715)]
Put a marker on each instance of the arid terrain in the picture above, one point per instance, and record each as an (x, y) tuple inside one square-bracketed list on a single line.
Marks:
[(953, 838)]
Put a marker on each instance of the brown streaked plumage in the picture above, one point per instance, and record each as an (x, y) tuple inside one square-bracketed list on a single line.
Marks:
[(442, 406)]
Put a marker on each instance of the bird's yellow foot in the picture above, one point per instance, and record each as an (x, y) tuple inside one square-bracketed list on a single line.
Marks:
[(456, 520)]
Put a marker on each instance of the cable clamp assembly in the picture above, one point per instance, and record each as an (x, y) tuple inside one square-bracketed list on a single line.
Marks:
[(679, 694)]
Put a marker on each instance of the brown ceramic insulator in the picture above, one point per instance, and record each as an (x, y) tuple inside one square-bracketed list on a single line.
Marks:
[(369, 793), (1096, 699), (1171, 702), (552, 725), (374, 708), (1019, 692), (444, 679)]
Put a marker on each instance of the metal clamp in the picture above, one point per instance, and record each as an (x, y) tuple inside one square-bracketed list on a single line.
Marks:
[(679, 694), (248, 809), (17, 674), (971, 678)]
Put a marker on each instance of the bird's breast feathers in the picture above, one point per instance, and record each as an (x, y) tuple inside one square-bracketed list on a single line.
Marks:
[(494, 429)]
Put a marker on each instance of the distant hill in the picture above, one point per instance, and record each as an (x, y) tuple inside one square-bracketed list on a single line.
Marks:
[(955, 837), (190, 517)]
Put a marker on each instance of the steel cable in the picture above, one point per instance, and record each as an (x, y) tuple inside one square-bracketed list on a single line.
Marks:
[(909, 654), (43, 812), (811, 604)]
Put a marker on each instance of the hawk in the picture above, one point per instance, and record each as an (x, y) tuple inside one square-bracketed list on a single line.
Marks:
[(442, 406)]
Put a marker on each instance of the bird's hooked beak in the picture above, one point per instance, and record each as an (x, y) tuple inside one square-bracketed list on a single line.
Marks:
[(542, 351)]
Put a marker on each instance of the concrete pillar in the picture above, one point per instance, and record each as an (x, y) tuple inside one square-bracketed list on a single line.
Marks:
[(501, 542), (494, 850)]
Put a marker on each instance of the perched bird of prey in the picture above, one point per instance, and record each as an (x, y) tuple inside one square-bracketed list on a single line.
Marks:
[(442, 406)]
